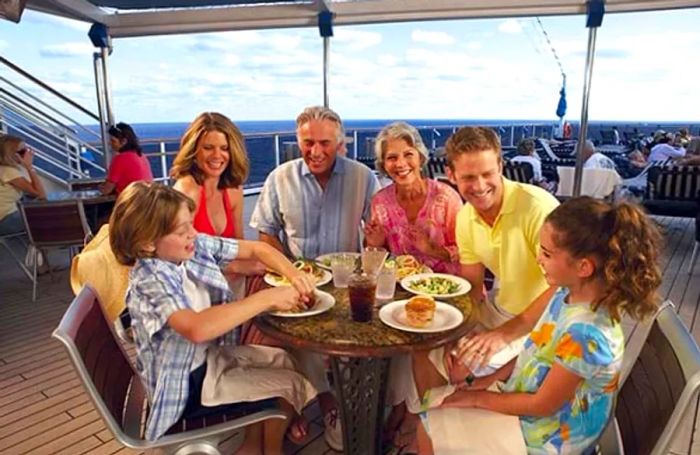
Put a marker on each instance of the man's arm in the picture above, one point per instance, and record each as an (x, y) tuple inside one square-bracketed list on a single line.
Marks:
[(474, 273)]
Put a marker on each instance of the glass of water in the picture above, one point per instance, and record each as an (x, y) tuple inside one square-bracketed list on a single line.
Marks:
[(342, 266), (386, 283)]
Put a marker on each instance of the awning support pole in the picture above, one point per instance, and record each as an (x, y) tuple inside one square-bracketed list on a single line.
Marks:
[(596, 11), (325, 28)]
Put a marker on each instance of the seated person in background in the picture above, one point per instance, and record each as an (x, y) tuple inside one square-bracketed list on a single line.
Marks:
[(561, 386), (637, 158), (692, 155), (663, 149), (595, 160), (528, 154), (15, 156), (311, 206), (414, 215), (683, 137), (185, 323), (129, 164)]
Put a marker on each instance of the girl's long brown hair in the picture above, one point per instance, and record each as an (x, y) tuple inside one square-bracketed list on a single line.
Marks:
[(624, 244)]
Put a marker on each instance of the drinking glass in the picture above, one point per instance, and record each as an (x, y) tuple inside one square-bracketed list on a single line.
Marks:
[(373, 259), (362, 288), (386, 283), (342, 266)]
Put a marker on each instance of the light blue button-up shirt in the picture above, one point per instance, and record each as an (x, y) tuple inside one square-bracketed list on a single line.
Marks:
[(309, 220)]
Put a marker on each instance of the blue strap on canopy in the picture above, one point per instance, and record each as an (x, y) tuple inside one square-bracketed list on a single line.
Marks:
[(561, 107)]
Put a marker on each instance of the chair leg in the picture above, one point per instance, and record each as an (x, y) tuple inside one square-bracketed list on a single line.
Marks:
[(34, 275), (19, 261), (693, 257)]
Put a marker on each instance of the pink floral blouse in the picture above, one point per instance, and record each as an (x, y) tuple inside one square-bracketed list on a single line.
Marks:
[(437, 217)]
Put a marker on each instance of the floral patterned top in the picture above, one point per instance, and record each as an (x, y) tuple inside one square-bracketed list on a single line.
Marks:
[(589, 344), (437, 217)]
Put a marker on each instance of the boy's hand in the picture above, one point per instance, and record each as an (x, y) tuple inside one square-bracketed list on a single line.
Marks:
[(285, 298), (304, 285)]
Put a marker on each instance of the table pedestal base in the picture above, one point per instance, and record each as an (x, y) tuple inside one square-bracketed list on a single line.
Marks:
[(360, 384)]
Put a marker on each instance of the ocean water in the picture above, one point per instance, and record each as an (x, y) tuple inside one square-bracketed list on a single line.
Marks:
[(260, 140)]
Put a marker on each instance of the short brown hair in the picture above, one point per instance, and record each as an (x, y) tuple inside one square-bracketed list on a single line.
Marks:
[(469, 139), (144, 212), (238, 166)]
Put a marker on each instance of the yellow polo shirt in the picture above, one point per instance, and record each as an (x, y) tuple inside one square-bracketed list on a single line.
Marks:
[(509, 247)]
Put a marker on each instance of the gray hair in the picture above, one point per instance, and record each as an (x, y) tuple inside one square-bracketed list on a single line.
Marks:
[(693, 146), (398, 130), (321, 113)]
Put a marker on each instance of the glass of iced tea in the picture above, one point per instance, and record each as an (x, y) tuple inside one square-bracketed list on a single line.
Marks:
[(362, 288)]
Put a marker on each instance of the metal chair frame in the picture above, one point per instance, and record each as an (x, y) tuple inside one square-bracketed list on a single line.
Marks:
[(668, 350), (4, 242), (30, 209), (116, 390)]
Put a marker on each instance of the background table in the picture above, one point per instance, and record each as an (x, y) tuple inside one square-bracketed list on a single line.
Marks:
[(359, 355)]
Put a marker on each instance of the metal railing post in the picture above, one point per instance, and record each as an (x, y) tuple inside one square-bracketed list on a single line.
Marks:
[(99, 88)]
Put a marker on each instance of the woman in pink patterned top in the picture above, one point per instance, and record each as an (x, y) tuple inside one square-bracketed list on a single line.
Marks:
[(414, 215)]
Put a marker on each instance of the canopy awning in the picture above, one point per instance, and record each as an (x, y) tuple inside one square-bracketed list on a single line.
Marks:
[(127, 18)]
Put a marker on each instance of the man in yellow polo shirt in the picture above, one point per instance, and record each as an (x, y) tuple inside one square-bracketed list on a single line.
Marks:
[(497, 229)]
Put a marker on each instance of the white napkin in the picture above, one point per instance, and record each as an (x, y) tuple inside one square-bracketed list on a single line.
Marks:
[(502, 357)]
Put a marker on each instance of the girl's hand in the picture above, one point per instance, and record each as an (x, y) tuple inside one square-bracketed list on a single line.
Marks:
[(461, 399), (374, 234), (284, 298), (475, 351), (304, 284)]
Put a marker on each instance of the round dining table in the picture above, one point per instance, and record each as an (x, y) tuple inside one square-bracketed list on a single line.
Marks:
[(359, 354)]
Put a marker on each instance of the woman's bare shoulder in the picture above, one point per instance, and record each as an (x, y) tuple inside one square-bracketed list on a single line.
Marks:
[(187, 185)]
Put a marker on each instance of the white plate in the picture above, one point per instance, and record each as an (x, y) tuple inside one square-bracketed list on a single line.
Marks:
[(272, 280), (464, 285), (324, 302), (446, 317), (320, 261)]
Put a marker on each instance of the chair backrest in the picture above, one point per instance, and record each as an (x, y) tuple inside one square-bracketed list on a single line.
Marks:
[(597, 183), (55, 223), (674, 183), (103, 366), (518, 171), (436, 166), (659, 388)]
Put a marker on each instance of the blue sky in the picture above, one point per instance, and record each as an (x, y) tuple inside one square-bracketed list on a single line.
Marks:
[(646, 69)]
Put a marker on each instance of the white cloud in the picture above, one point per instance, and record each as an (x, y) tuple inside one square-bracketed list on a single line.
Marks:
[(511, 26), (356, 40), (3, 44), (387, 60), (429, 37), (74, 49), (474, 45), (231, 60)]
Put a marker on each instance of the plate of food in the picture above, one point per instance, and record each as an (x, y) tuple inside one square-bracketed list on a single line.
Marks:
[(439, 285), (421, 314), (324, 260), (322, 302), (321, 276), (406, 265)]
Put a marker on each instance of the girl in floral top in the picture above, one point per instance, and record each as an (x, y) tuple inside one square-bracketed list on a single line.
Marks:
[(604, 258)]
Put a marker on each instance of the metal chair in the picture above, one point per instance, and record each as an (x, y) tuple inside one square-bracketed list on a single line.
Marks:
[(116, 389), (694, 256), (657, 390), (50, 225), (4, 242)]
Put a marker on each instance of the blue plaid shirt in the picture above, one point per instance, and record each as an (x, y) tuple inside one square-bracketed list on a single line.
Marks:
[(164, 357)]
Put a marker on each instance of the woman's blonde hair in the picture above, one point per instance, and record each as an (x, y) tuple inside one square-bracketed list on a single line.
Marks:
[(398, 130), (144, 212), (185, 163), (624, 244), (8, 148)]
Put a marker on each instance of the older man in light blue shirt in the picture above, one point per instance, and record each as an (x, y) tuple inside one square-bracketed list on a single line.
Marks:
[(313, 205)]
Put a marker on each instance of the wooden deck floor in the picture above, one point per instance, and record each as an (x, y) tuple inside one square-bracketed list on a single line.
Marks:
[(43, 409)]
